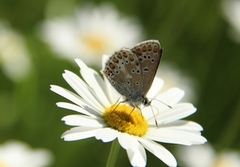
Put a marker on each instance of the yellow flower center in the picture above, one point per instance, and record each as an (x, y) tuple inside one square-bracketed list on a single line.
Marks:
[(223, 162), (124, 119), (3, 164), (95, 43)]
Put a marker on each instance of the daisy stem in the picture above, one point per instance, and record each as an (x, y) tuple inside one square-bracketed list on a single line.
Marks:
[(113, 154)]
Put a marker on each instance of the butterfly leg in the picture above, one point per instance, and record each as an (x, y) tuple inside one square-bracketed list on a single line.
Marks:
[(118, 103)]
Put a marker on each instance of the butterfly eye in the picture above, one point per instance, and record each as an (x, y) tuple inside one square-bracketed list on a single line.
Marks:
[(146, 102)]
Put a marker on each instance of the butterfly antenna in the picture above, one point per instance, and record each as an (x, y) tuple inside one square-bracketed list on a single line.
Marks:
[(163, 103), (155, 119)]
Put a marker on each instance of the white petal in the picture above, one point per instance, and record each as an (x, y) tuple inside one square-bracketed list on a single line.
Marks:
[(159, 151), (82, 120), (128, 142), (94, 80), (183, 125), (179, 111), (137, 157), (68, 95), (83, 90), (79, 133), (106, 134), (136, 153), (88, 111), (171, 96), (151, 112), (169, 135), (155, 88)]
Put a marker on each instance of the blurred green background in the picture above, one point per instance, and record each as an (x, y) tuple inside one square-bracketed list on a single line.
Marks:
[(195, 38)]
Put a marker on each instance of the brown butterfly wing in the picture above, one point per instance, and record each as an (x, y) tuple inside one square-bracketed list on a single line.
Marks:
[(124, 73), (149, 54)]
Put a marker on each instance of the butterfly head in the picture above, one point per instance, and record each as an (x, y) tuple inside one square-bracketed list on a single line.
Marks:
[(139, 100)]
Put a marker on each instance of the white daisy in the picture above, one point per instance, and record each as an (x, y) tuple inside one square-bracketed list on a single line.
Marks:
[(231, 10), (19, 154), (209, 157), (92, 31), (14, 58), (99, 117)]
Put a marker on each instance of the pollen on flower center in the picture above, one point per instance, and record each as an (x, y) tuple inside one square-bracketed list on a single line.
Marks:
[(124, 119)]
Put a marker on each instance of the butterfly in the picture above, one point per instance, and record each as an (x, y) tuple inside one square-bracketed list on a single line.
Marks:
[(131, 71)]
